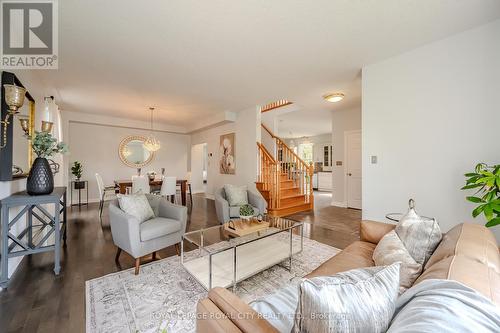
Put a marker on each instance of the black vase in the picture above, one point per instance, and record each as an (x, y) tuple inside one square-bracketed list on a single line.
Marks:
[(40, 179)]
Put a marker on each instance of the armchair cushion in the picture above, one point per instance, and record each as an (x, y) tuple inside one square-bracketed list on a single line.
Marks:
[(236, 195), (158, 227), (234, 211), (136, 205)]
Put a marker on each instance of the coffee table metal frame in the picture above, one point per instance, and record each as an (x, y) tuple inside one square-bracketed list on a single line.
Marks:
[(201, 248)]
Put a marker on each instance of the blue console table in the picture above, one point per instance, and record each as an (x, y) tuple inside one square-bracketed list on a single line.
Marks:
[(40, 237)]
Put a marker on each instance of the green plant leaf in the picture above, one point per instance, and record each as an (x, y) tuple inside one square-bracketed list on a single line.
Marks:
[(478, 210), (493, 222), (467, 187), (475, 199), (488, 212), (471, 174)]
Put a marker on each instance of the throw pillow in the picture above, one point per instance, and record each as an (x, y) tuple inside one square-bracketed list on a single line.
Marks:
[(359, 300), (420, 235), (391, 249), (236, 195), (136, 205)]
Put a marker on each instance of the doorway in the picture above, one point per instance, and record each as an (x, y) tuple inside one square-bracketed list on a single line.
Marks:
[(353, 177), (199, 168)]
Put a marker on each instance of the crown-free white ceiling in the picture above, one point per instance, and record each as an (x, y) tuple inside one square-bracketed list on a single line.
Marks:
[(192, 59)]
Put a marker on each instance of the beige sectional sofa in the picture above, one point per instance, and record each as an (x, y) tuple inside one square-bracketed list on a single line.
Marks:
[(468, 253)]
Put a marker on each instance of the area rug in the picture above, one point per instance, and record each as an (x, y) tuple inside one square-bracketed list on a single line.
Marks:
[(163, 297)]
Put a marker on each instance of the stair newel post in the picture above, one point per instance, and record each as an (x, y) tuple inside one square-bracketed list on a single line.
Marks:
[(311, 196)]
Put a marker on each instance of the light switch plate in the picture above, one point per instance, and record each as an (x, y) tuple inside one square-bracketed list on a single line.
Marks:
[(374, 159)]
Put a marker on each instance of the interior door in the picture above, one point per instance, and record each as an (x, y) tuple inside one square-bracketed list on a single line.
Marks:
[(353, 167)]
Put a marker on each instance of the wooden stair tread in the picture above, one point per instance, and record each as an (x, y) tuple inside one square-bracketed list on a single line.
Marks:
[(292, 196), (291, 206)]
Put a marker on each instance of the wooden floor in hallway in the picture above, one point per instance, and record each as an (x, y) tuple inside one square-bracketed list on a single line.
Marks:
[(38, 301)]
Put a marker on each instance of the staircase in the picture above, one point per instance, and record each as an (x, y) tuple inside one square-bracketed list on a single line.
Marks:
[(284, 181)]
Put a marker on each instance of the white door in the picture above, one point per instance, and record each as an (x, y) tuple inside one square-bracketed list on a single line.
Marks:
[(353, 168), (197, 161)]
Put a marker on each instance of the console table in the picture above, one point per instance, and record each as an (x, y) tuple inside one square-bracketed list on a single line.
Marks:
[(34, 238)]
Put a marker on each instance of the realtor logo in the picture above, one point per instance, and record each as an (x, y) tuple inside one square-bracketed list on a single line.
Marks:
[(29, 34)]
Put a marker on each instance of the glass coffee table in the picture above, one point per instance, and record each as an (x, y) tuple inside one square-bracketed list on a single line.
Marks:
[(223, 260)]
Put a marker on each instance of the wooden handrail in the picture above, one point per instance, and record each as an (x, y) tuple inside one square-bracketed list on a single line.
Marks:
[(268, 130), (264, 150)]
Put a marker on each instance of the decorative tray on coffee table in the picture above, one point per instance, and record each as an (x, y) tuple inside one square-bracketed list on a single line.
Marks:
[(242, 227)]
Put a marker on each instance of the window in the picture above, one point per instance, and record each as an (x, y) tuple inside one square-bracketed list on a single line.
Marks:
[(306, 152)]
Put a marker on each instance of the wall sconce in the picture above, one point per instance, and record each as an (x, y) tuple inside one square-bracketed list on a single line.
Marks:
[(47, 124), (14, 98), (25, 124)]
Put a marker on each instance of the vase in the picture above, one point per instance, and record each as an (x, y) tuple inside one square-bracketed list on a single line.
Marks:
[(79, 184), (40, 179)]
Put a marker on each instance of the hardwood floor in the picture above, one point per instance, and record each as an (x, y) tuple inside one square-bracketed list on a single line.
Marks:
[(38, 301)]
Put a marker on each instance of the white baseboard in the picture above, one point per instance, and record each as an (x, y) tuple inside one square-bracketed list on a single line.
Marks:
[(339, 204)]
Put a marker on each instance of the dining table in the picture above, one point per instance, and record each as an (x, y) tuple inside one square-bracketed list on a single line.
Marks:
[(123, 184)]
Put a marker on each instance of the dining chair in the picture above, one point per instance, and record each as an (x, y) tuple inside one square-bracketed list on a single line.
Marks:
[(169, 187), (140, 184), (103, 191), (188, 178)]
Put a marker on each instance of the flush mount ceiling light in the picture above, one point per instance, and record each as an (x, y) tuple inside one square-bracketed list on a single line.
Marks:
[(334, 98), (152, 143)]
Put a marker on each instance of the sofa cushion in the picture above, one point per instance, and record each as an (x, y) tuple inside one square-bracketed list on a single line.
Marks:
[(419, 234), (236, 195), (373, 231), (234, 211), (356, 255), (390, 250), (136, 205), (158, 227), (279, 308), (467, 271), (471, 240), (359, 300)]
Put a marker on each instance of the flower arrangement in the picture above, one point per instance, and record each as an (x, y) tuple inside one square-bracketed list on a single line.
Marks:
[(45, 145)]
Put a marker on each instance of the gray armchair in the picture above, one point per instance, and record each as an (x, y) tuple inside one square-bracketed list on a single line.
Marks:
[(140, 239), (226, 212)]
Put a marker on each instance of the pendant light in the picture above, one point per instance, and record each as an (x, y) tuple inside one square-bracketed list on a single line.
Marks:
[(152, 143)]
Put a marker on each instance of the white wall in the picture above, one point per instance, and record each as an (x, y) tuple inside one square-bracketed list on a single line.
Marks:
[(342, 121), (96, 147), (430, 115), (247, 129)]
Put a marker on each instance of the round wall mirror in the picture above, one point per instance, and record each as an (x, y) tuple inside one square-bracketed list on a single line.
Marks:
[(132, 152)]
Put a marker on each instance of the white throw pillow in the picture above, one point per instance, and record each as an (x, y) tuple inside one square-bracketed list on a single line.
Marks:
[(136, 205), (359, 300), (236, 195), (391, 249), (420, 235)]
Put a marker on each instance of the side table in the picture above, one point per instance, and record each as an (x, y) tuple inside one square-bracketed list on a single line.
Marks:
[(35, 237), (79, 186)]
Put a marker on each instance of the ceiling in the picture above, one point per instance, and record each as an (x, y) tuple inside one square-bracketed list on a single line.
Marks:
[(192, 59)]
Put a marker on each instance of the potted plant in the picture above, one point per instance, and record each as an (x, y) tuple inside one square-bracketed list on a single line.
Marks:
[(246, 212), (77, 171), (486, 180), (40, 179)]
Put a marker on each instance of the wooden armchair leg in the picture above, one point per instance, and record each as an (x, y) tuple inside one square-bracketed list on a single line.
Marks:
[(118, 252), (178, 248), (137, 264)]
